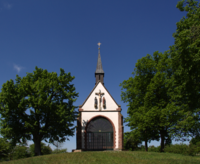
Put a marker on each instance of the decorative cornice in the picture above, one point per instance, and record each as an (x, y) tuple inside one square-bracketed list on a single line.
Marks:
[(81, 110), (119, 109)]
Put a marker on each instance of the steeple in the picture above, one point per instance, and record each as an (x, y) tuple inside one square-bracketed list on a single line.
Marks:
[(99, 73)]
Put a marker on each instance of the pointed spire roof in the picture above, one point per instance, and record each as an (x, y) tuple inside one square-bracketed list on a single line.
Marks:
[(99, 68)]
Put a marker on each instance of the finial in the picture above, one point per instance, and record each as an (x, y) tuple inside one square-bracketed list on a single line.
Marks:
[(99, 44)]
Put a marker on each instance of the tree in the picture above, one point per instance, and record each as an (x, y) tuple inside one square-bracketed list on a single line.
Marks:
[(38, 107), (185, 55), (133, 93), (162, 115), (148, 94)]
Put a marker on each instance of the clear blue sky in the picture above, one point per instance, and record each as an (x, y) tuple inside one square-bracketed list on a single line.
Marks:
[(64, 34)]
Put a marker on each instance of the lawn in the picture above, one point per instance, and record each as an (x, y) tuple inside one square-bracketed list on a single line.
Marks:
[(111, 157)]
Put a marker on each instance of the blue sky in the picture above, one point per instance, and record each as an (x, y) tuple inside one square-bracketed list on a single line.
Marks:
[(64, 34)]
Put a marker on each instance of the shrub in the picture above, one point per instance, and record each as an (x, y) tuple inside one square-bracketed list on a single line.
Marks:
[(191, 150), (141, 148), (57, 151), (4, 148), (44, 149), (198, 147), (181, 149), (184, 149), (154, 149), (195, 140), (131, 142), (19, 152)]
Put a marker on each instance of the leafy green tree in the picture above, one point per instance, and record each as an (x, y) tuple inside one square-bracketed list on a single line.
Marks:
[(133, 92), (162, 115), (38, 107), (185, 55), (148, 94)]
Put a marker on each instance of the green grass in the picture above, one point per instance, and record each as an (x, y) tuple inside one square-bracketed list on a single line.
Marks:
[(112, 157)]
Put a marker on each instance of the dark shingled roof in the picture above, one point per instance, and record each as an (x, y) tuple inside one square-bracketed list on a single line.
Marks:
[(99, 64)]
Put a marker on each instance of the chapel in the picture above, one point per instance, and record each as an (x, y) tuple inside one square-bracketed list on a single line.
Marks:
[(100, 122)]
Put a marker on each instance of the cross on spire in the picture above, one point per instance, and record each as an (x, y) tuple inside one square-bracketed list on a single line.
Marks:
[(99, 44)]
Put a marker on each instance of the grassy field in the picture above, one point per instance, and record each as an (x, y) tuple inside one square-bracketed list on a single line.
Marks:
[(112, 157)]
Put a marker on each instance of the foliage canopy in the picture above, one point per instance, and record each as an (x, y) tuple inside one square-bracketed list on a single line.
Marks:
[(38, 107)]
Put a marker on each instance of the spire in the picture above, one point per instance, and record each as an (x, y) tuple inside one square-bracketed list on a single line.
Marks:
[(99, 73), (99, 68)]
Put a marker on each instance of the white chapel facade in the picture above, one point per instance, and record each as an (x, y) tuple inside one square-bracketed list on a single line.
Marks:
[(100, 122)]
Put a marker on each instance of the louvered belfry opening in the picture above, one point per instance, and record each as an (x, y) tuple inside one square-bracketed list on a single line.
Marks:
[(99, 134)]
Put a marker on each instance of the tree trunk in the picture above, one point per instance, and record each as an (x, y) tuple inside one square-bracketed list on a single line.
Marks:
[(146, 146), (162, 145), (37, 143)]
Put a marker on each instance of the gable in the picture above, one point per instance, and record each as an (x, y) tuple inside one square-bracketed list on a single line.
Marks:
[(88, 105)]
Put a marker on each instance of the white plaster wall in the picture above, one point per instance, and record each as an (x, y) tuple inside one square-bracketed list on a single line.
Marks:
[(86, 116), (110, 103)]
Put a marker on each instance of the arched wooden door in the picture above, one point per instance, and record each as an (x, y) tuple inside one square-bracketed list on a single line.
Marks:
[(99, 134)]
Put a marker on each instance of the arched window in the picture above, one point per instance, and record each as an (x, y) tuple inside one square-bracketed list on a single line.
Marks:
[(99, 124)]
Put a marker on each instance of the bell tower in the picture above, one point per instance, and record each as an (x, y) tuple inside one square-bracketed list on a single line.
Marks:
[(99, 73)]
